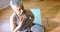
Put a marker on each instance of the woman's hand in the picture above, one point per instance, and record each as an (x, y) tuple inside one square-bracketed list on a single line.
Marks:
[(23, 18)]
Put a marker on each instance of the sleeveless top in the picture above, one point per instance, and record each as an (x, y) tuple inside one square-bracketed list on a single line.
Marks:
[(27, 22)]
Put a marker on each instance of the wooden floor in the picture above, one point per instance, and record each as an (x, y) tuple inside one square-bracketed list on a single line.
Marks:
[(50, 12)]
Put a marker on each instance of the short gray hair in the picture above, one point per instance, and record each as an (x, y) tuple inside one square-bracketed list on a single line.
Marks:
[(16, 2)]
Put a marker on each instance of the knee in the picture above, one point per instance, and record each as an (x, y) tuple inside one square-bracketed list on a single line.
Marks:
[(37, 28)]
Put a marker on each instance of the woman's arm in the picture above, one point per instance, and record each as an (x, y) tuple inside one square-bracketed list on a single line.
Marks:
[(31, 15), (17, 28), (12, 23)]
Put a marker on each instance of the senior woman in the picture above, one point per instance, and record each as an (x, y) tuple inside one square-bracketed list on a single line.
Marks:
[(22, 19)]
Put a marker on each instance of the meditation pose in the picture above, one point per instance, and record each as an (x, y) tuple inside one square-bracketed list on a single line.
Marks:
[(22, 19)]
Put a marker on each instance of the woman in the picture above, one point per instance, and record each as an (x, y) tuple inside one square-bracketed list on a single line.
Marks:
[(22, 19)]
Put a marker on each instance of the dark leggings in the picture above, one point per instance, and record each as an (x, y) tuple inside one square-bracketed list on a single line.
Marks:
[(35, 28)]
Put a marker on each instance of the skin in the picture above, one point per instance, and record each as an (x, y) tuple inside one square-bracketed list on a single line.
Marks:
[(22, 17)]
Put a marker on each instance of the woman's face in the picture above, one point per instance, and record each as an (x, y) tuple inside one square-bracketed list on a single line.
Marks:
[(18, 9)]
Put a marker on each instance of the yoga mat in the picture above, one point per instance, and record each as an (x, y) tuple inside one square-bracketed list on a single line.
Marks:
[(37, 15)]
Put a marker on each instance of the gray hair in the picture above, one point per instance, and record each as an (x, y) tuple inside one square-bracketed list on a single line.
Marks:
[(16, 2)]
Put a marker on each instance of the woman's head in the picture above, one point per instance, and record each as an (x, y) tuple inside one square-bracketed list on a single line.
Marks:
[(17, 6)]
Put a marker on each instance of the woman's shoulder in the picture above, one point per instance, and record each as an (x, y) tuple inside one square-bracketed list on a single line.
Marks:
[(13, 16)]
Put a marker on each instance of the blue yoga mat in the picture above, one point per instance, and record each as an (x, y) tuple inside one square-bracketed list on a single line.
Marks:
[(37, 15)]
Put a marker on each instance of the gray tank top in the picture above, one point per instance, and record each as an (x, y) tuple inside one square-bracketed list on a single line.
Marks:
[(26, 24)]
